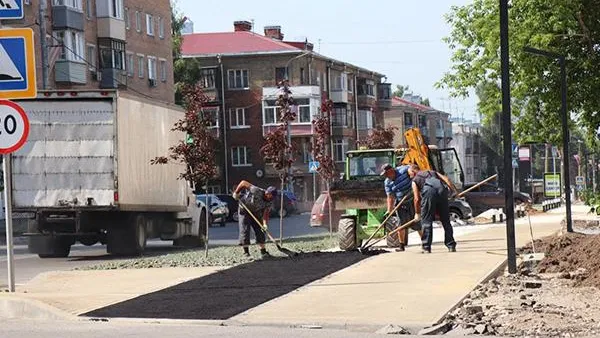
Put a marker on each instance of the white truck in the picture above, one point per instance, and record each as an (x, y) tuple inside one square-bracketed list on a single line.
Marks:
[(84, 174)]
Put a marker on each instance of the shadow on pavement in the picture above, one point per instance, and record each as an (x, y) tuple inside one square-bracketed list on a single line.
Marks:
[(229, 292)]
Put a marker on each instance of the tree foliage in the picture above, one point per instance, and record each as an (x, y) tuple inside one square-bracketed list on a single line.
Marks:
[(322, 140), (276, 149), (381, 138), (568, 28), (197, 152)]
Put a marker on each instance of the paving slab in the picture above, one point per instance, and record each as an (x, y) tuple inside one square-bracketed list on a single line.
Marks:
[(406, 288)]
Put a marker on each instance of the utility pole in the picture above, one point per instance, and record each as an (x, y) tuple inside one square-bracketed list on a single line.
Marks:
[(507, 135), (44, 43)]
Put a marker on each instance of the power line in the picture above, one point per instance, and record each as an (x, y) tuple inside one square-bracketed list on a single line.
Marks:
[(380, 42)]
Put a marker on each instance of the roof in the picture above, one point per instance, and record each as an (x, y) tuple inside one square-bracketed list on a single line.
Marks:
[(232, 43), (399, 102)]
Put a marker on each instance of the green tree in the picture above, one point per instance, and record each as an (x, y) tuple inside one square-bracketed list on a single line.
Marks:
[(400, 90), (186, 71), (569, 28)]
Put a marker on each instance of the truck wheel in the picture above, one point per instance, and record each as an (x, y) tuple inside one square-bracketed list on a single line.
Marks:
[(88, 240), (347, 234), (130, 240), (50, 247), (393, 241)]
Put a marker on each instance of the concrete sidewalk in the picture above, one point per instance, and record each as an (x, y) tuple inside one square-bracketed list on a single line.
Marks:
[(408, 288)]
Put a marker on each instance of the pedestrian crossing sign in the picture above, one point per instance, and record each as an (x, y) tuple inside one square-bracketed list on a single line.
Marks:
[(11, 9), (17, 64), (313, 166)]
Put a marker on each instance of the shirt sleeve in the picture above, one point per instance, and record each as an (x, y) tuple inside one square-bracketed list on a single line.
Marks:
[(255, 190), (388, 187)]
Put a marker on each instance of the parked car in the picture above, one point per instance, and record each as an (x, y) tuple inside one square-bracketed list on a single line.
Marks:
[(319, 215), (219, 212), (459, 209), (489, 196), (232, 205), (289, 204)]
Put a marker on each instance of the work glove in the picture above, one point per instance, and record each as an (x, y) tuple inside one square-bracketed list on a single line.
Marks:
[(236, 196), (265, 225), (417, 217)]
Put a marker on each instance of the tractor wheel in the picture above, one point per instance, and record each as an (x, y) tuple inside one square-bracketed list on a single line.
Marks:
[(347, 234), (393, 241)]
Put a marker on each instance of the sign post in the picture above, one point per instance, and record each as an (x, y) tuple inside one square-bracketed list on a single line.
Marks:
[(14, 129), (313, 166)]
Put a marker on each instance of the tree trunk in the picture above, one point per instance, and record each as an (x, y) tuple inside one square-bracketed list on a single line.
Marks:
[(281, 212), (330, 211), (207, 219)]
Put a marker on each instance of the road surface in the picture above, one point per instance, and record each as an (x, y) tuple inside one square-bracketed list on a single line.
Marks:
[(29, 265)]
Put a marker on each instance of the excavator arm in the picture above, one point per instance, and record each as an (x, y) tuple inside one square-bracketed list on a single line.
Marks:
[(417, 150)]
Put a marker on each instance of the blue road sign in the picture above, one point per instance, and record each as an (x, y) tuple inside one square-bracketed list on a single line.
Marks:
[(515, 164), (11, 9), (313, 166), (17, 64)]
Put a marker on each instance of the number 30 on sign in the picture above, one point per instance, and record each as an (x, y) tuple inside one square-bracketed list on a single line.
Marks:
[(14, 127)]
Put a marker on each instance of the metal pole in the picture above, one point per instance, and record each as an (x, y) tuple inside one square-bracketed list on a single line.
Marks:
[(565, 132), (506, 132), (44, 44), (9, 226), (208, 212)]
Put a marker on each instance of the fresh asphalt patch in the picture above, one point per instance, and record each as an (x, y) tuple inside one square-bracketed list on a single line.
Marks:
[(226, 293)]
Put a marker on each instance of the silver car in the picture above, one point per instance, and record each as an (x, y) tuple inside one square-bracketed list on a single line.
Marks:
[(219, 211)]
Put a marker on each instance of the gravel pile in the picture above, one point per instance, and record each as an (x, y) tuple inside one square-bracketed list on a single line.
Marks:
[(218, 256)]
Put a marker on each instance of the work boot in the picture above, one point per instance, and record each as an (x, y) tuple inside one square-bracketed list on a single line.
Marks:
[(400, 248), (426, 250), (265, 254), (247, 253), (452, 249)]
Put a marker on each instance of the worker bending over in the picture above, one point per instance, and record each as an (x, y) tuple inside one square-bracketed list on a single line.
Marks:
[(397, 184), (430, 191), (259, 202)]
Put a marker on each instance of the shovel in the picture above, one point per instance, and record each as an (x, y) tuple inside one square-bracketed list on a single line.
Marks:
[(383, 223), (402, 227), (287, 252)]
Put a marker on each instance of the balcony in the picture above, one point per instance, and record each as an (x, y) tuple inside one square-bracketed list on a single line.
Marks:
[(113, 78), (111, 28), (339, 96), (295, 129), (384, 95), (70, 72), (366, 100), (67, 17)]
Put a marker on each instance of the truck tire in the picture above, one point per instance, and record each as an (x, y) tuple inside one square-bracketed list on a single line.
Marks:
[(393, 241), (347, 234), (50, 247), (130, 240), (88, 240), (194, 241)]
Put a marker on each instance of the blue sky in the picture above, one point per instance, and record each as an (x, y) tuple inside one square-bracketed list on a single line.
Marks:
[(401, 38)]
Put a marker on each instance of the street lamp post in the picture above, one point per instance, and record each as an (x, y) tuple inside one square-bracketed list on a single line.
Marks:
[(565, 124), (507, 135)]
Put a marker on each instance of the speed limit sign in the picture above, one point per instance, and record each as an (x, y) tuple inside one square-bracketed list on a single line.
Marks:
[(14, 127)]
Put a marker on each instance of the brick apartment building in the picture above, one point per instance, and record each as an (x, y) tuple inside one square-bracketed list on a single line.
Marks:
[(240, 72), (435, 125), (104, 44)]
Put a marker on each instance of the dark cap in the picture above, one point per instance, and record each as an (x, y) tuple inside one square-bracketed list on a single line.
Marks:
[(272, 190), (385, 167)]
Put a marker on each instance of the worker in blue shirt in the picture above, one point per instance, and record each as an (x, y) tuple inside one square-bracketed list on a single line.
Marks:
[(397, 184)]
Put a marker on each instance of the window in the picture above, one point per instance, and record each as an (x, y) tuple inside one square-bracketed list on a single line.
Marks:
[(366, 87), (207, 77), (161, 27), (91, 57), (365, 119), (116, 9), (302, 76), (240, 157), (350, 84), (127, 21), (72, 45), (340, 147), (112, 53), (149, 25), (88, 8), (303, 112), (238, 78), (129, 65), (138, 21), (270, 112), (140, 66), (340, 81), (408, 121), (237, 118), (163, 70), (213, 114), (341, 117), (69, 3), (306, 151), (151, 67), (280, 74)]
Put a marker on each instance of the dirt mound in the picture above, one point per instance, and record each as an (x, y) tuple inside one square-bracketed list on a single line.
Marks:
[(569, 253)]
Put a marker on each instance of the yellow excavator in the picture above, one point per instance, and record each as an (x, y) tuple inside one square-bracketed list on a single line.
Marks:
[(361, 193)]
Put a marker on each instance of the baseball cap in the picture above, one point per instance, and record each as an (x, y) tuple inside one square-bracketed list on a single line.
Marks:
[(385, 167)]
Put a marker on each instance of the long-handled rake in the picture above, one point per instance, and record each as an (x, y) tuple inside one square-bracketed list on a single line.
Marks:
[(288, 252), (365, 244)]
